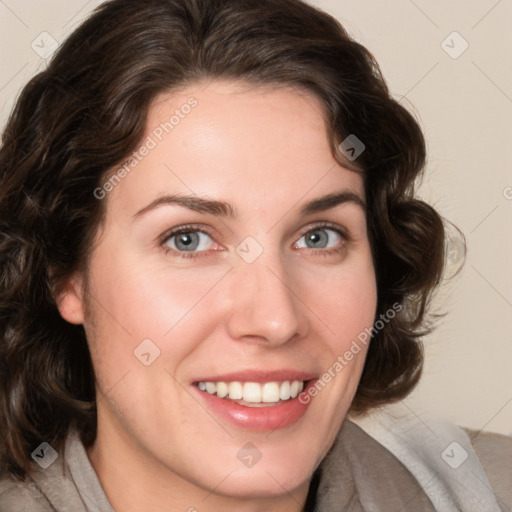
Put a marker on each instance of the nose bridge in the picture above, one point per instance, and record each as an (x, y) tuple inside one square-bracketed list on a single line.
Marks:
[(264, 303)]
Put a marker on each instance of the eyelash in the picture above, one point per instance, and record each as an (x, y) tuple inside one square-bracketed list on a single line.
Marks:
[(333, 250), (317, 252), (184, 229)]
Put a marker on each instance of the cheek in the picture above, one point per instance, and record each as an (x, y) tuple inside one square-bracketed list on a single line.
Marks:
[(349, 312), (345, 300), (131, 303), (352, 308)]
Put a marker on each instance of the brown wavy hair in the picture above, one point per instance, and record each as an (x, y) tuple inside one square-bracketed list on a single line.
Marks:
[(83, 115)]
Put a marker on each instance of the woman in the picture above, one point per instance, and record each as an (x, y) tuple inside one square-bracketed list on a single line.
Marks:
[(211, 254)]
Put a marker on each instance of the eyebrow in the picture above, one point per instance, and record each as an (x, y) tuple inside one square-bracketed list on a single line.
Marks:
[(224, 209), (330, 201), (195, 203)]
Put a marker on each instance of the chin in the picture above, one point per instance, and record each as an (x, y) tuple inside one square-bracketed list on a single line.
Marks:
[(265, 482)]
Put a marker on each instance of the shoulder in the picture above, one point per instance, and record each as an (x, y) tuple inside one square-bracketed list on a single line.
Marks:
[(456, 470), (22, 496), (495, 453), (48, 487)]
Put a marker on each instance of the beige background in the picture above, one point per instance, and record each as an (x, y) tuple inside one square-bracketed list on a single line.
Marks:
[(465, 107)]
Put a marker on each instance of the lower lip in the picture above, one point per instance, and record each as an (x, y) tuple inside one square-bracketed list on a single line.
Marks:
[(256, 418)]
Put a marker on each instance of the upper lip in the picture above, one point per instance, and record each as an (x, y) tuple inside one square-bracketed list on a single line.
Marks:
[(259, 376)]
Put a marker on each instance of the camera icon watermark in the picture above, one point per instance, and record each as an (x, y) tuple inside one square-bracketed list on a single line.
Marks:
[(146, 352), (44, 45), (249, 455), (454, 45), (44, 455), (454, 455), (249, 249), (352, 147)]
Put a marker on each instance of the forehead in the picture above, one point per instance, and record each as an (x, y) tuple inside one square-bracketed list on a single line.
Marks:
[(260, 146)]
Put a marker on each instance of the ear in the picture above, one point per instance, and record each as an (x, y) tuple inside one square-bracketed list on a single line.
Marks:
[(70, 301)]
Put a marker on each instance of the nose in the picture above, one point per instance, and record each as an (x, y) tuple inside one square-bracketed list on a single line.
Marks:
[(265, 305)]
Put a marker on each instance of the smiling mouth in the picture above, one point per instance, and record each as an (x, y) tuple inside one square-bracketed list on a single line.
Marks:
[(254, 394)]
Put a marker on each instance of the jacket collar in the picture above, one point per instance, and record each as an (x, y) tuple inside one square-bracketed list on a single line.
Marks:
[(358, 474)]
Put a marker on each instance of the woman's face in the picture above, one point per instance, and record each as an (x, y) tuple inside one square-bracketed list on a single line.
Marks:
[(234, 251)]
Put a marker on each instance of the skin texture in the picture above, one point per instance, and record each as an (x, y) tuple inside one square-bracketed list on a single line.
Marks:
[(265, 152)]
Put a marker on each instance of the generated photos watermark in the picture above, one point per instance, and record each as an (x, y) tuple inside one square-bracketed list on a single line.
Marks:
[(363, 338), (150, 143)]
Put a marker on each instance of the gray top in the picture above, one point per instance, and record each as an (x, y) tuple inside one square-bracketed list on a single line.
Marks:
[(69, 484)]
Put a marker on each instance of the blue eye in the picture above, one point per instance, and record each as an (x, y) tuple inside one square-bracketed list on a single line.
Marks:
[(320, 238), (191, 240)]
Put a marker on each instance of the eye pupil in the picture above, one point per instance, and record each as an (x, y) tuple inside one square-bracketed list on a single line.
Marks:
[(187, 241), (317, 238)]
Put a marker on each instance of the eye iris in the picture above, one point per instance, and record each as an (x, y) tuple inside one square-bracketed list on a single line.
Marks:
[(187, 241), (317, 238)]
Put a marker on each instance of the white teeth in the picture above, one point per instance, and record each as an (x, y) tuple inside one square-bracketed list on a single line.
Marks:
[(270, 392), (254, 392), (294, 390), (235, 390), (284, 392), (222, 389)]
